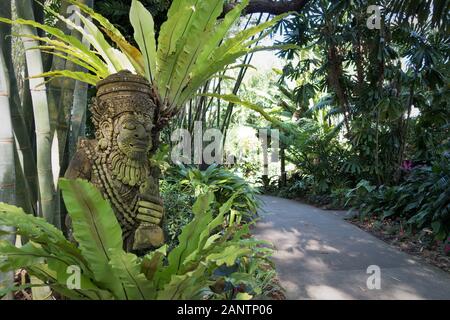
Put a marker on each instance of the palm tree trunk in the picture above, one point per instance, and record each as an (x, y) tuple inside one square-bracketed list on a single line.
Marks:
[(47, 192)]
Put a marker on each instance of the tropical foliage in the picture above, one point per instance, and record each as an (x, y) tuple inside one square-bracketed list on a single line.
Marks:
[(174, 58), (182, 185), (177, 64), (362, 113), (423, 199), (360, 107), (188, 271)]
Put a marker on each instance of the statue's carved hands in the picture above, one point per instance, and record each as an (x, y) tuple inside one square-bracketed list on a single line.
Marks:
[(150, 212)]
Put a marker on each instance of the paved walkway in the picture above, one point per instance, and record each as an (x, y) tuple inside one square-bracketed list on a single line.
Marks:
[(321, 256)]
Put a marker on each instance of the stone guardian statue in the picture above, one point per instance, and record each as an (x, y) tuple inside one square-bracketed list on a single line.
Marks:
[(118, 161)]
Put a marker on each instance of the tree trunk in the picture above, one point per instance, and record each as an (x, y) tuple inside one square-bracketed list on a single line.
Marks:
[(404, 134), (283, 177), (334, 79)]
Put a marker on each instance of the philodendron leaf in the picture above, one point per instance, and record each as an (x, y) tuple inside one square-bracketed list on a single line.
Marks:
[(96, 229)]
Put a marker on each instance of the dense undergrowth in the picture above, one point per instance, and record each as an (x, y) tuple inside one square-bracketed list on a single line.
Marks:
[(210, 253)]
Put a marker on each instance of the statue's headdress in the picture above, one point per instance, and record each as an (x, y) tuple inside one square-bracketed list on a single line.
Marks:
[(120, 93)]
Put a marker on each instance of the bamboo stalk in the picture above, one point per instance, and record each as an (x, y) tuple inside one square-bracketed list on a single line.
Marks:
[(79, 105), (7, 172), (26, 177), (47, 192)]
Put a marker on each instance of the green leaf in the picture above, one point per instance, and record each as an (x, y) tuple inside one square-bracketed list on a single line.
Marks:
[(229, 255), (38, 230), (249, 105), (133, 54), (71, 54), (185, 286), (76, 75), (207, 68), (96, 229), (241, 39), (189, 237), (217, 221), (6, 290), (153, 261), (45, 274), (111, 55), (189, 45), (221, 31), (243, 296), (30, 256), (128, 269), (144, 34), (12, 258), (436, 225), (71, 41)]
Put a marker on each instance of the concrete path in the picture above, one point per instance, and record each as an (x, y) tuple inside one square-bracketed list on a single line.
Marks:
[(321, 256)]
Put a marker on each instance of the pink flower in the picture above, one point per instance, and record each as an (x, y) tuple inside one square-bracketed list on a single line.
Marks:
[(407, 165), (447, 249), (447, 246)]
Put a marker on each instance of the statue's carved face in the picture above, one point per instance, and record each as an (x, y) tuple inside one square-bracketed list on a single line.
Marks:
[(134, 135)]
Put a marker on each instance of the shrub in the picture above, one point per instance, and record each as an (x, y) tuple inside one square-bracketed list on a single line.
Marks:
[(423, 199), (178, 202), (224, 184)]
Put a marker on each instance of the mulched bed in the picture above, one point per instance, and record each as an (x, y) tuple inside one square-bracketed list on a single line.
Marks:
[(420, 244)]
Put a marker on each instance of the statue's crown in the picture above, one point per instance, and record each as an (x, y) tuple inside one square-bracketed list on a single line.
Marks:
[(122, 92), (123, 82)]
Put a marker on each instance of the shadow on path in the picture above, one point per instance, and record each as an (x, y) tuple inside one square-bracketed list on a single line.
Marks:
[(321, 256)]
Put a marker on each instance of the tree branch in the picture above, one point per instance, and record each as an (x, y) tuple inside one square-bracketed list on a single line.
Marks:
[(269, 6)]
